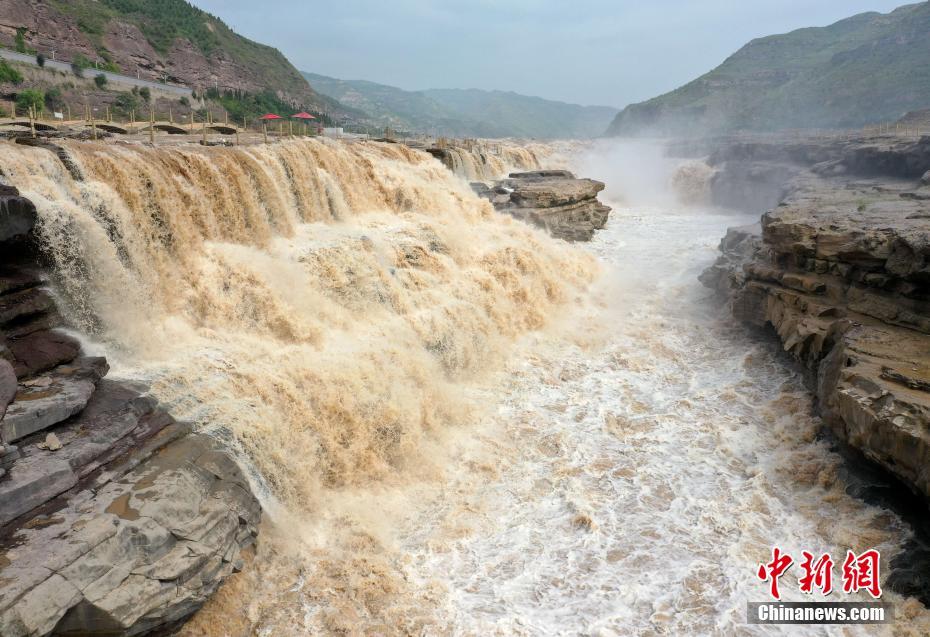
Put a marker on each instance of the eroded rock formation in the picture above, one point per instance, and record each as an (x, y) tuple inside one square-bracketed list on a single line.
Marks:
[(840, 268), (114, 518), (552, 199)]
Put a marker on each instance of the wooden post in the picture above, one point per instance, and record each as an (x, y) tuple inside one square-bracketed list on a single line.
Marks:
[(237, 137), (226, 117), (205, 133), (265, 130), (192, 122), (152, 125), (13, 109), (170, 116), (32, 121), (108, 113), (93, 126)]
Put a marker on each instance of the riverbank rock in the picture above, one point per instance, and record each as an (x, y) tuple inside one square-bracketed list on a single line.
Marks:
[(556, 200), (17, 214), (114, 518), (840, 269)]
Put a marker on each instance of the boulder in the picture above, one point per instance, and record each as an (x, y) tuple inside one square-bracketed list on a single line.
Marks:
[(17, 214), (41, 351), (51, 399), (139, 554), (553, 199)]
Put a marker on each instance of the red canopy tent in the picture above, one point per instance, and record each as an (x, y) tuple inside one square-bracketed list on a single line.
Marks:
[(264, 119), (304, 116)]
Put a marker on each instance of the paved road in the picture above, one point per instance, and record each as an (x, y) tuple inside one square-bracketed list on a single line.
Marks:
[(116, 78)]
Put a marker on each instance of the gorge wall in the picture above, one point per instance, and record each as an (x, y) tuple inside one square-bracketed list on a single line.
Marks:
[(840, 268), (114, 518), (316, 309)]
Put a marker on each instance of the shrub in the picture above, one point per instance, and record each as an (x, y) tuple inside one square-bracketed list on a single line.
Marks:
[(184, 101), (79, 63), (9, 74), (31, 98), (40, 60), (145, 93), (21, 40), (126, 102), (100, 80), (54, 100)]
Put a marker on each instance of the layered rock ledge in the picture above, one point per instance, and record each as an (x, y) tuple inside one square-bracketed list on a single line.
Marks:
[(114, 518), (567, 207), (840, 268)]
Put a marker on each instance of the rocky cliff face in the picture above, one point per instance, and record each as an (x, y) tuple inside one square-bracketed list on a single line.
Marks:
[(552, 199), (114, 518), (201, 53), (840, 268)]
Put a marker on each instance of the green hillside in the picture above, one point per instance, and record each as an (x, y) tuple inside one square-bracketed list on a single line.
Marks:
[(469, 113), (868, 68), (160, 40)]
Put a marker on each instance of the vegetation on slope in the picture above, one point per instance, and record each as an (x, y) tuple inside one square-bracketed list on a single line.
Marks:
[(868, 68), (469, 113), (166, 23)]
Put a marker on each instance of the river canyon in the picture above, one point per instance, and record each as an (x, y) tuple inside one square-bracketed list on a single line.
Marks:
[(454, 423)]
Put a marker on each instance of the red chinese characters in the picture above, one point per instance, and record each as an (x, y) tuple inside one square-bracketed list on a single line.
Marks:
[(817, 574), (860, 572), (775, 569)]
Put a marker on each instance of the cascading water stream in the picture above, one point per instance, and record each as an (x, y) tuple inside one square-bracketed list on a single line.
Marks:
[(458, 425), (321, 305)]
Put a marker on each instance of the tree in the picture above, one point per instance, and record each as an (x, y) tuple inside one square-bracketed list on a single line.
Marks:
[(9, 74), (79, 63), (40, 60), (100, 80), (145, 93), (31, 98)]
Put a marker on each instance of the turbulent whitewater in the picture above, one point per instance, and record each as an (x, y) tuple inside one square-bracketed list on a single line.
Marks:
[(457, 424)]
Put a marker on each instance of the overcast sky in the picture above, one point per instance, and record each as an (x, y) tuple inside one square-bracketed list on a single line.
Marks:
[(610, 52)]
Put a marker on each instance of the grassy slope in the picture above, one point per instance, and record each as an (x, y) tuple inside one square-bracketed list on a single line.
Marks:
[(162, 22), (871, 67), (466, 112)]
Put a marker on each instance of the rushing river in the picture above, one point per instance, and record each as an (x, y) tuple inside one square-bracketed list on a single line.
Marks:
[(648, 461), (456, 424)]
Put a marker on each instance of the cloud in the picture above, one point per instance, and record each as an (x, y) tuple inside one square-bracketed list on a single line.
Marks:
[(585, 51)]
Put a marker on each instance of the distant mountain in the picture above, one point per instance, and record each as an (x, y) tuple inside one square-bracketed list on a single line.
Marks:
[(470, 113), (868, 68)]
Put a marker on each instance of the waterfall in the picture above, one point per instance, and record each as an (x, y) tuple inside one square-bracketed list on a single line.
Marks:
[(324, 306), (490, 160)]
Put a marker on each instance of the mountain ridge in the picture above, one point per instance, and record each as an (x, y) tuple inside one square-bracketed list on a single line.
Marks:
[(465, 112), (863, 69)]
